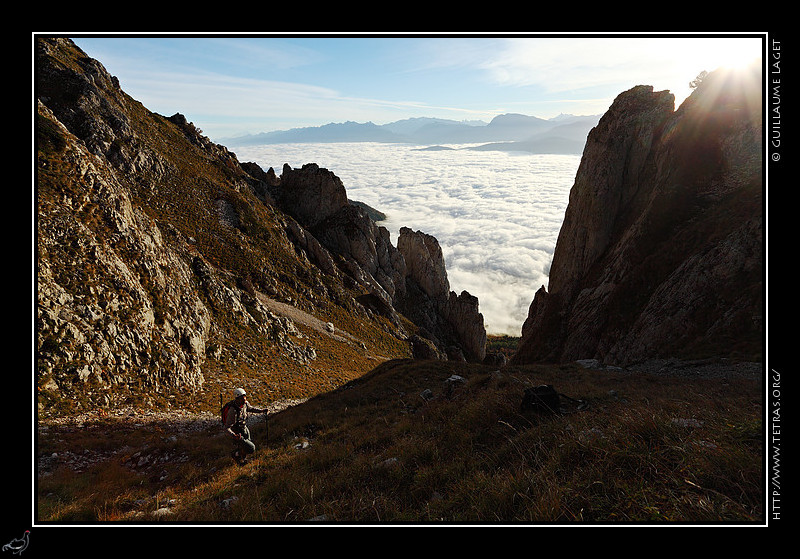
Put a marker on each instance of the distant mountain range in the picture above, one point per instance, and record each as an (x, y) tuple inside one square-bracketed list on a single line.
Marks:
[(507, 132)]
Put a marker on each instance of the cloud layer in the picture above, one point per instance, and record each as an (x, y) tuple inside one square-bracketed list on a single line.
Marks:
[(496, 215)]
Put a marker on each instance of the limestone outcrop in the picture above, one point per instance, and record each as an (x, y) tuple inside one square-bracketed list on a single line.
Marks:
[(425, 262), (310, 194), (366, 249), (452, 321), (660, 253), (118, 304)]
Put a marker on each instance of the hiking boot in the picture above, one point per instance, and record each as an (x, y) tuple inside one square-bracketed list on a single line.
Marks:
[(238, 459)]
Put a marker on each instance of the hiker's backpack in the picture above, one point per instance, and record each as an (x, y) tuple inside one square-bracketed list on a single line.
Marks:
[(541, 399), (225, 410)]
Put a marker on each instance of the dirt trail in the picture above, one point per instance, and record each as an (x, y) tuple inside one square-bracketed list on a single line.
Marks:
[(163, 424), (184, 420), (301, 317), (177, 422)]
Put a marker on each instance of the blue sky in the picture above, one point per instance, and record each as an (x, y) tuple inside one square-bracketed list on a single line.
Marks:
[(230, 86)]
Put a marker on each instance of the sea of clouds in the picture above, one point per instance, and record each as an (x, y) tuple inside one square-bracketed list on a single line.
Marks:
[(496, 215)]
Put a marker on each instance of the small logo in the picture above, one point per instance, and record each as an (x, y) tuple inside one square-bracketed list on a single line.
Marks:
[(18, 545)]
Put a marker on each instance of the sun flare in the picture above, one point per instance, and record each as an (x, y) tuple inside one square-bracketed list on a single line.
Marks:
[(737, 57), (692, 57), (727, 53)]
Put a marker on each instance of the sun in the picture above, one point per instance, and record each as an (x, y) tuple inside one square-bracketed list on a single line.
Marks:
[(732, 81), (712, 53), (717, 53), (691, 57), (736, 55)]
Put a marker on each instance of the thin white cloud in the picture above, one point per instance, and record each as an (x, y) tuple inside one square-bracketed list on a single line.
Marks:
[(223, 103), (562, 64), (232, 86), (574, 64), (223, 95)]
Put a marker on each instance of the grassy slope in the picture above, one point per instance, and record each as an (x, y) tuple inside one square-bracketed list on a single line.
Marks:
[(648, 449)]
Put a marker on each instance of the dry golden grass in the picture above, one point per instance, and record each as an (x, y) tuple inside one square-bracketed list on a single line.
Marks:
[(647, 450)]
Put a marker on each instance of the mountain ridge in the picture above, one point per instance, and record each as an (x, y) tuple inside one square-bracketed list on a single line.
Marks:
[(510, 132), (157, 248)]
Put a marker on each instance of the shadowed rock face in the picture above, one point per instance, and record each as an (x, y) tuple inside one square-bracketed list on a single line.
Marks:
[(448, 319), (660, 253), (410, 278), (311, 194), (425, 262)]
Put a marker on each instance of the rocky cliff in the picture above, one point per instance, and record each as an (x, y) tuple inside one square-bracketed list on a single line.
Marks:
[(409, 279), (161, 260), (451, 321), (661, 249)]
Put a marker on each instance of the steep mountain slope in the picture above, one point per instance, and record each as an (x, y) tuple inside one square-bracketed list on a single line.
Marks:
[(161, 260), (661, 249)]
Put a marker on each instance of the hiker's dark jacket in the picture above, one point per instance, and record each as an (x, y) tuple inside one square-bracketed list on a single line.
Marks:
[(236, 419)]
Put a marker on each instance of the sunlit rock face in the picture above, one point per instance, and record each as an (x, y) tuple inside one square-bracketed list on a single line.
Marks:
[(158, 251), (140, 225), (660, 253)]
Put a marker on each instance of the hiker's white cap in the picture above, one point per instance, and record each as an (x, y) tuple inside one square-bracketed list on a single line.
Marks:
[(239, 392)]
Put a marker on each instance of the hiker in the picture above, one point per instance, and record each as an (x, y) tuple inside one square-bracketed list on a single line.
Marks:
[(234, 418)]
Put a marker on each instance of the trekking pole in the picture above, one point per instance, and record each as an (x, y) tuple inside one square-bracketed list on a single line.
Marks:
[(266, 426)]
